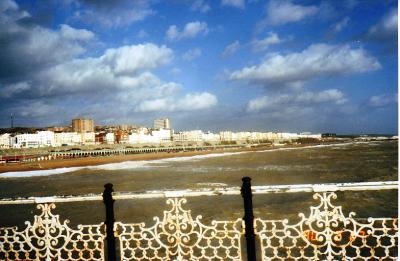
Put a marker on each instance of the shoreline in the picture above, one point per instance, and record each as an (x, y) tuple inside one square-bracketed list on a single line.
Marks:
[(94, 161), (101, 160)]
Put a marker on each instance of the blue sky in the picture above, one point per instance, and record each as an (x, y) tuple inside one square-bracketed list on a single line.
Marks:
[(319, 66)]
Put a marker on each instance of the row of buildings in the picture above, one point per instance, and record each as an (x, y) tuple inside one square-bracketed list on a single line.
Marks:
[(83, 132), (141, 136)]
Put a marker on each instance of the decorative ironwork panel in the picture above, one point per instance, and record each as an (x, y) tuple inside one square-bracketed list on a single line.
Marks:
[(49, 239), (327, 234), (177, 236)]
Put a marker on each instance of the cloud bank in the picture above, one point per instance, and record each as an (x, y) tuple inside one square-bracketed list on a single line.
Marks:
[(315, 61)]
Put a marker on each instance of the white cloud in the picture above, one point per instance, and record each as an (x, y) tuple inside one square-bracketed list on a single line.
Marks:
[(190, 30), (190, 102), (12, 89), (331, 95), (130, 59), (201, 6), (339, 26), (120, 76), (46, 79), (382, 100), (263, 44), (42, 40), (386, 29), (284, 11), (26, 49), (113, 13), (317, 60), (10, 10), (234, 3), (125, 67), (231, 49), (8, 5), (192, 54), (71, 33), (197, 101), (303, 99)]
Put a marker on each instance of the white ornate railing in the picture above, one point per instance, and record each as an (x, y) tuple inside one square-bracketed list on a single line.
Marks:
[(47, 238), (177, 236), (325, 233)]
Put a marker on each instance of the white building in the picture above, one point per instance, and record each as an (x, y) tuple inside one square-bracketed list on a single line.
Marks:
[(227, 136), (67, 138), (141, 138), (156, 136), (88, 137), (211, 137), (287, 136), (33, 140), (162, 135), (271, 136), (5, 141), (184, 136), (110, 138), (179, 137), (309, 135), (243, 136)]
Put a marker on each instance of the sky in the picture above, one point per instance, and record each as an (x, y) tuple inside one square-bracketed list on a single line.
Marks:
[(277, 65)]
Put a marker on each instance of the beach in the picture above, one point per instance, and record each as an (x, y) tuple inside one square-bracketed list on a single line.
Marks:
[(93, 161), (152, 156)]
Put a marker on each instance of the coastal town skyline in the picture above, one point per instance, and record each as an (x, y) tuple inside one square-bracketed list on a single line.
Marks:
[(84, 132), (243, 65), (15, 128)]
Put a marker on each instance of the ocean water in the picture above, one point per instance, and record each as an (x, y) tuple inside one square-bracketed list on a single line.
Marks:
[(350, 162)]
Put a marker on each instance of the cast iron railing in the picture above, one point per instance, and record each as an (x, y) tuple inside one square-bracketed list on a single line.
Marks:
[(326, 233)]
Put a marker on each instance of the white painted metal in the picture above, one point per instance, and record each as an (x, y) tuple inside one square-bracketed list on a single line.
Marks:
[(178, 236), (328, 234), (47, 238)]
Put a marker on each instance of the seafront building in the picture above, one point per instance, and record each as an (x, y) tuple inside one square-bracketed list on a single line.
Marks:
[(67, 138), (161, 135), (82, 125), (88, 138), (162, 123), (142, 136), (5, 141), (187, 136), (211, 137), (33, 140), (105, 138)]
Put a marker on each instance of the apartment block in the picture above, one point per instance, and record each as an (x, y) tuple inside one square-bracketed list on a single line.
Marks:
[(162, 123), (82, 125)]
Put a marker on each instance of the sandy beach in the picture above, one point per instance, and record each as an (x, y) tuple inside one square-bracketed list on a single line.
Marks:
[(93, 161)]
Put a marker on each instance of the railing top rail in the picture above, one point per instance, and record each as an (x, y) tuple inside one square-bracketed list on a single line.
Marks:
[(323, 187)]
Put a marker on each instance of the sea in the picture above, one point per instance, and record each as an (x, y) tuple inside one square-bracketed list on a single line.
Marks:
[(314, 164)]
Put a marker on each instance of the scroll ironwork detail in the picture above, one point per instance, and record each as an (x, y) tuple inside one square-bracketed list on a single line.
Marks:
[(47, 238), (327, 234), (177, 236)]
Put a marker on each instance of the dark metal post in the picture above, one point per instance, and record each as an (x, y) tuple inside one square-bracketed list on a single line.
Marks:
[(249, 219), (109, 203)]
